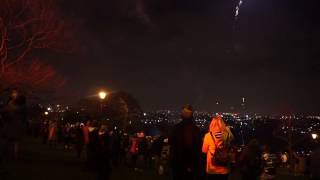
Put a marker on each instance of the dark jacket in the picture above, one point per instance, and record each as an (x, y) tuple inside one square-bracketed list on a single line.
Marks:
[(185, 146), (14, 119), (250, 161)]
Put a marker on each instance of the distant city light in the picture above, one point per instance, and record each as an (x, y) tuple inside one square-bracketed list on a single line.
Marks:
[(46, 113), (49, 108)]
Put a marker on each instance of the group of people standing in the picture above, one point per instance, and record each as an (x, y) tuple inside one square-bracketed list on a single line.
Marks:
[(222, 160), (92, 142), (187, 144), (103, 147)]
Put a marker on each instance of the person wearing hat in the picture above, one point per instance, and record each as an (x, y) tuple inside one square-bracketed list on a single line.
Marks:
[(185, 143)]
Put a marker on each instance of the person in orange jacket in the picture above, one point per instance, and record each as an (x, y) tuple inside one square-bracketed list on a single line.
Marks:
[(52, 137), (219, 135)]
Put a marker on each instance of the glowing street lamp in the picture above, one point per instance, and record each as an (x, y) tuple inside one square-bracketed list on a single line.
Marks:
[(102, 95), (314, 136), (46, 113)]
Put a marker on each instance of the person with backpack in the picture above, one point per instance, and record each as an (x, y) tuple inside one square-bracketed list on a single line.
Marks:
[(216, 145)]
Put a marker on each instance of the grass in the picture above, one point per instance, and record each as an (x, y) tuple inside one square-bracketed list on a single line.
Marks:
[(41, 162)]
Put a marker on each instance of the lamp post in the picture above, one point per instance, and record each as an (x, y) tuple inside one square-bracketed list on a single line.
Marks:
[(102, 96)]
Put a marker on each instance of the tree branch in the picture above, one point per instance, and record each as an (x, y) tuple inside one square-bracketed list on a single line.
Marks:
[(3, 50), (26, 25), (3, 39), (27, 22)]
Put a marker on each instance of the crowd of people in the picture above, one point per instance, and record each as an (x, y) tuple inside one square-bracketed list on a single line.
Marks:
[(102, 147), (223, 159), (185, 153)]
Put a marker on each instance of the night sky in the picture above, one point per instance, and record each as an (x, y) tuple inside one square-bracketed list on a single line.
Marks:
[(196, 52)]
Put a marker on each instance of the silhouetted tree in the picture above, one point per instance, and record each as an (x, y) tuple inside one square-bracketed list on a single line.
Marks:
[(123, 111), (27, 29)]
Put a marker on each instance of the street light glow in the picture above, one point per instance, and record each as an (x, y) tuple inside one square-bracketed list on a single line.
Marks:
[(102, 94), (314, 136)]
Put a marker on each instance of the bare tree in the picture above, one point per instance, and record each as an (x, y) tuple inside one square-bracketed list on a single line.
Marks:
[(123, 110), (28, 27), (33, 76)]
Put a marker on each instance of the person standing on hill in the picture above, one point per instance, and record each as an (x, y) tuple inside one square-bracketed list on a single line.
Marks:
[(134, 150), (216, 144), (104, 154), (52, 137), (315, 164), (251, 161), (185, 147), (15, 121)]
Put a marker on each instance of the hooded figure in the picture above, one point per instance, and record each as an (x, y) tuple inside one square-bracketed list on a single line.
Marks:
[(219, 136)]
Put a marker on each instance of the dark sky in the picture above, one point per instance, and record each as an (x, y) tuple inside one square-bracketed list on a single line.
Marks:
[(170, 52)]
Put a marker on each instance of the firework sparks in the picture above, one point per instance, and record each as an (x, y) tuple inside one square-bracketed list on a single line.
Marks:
[(236, 15)]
